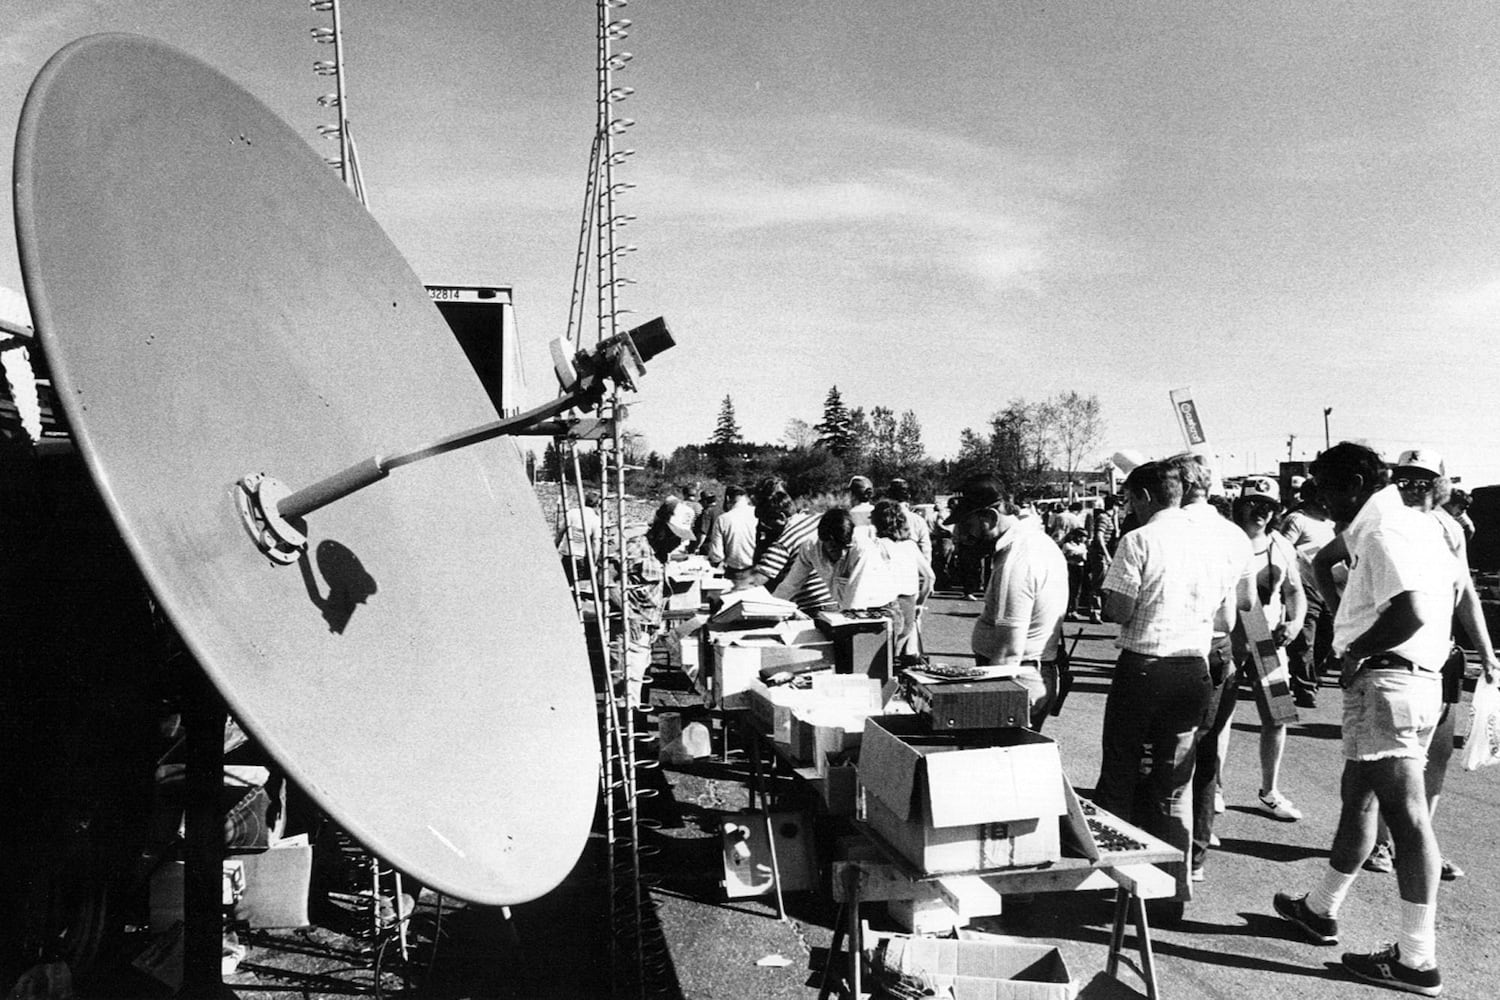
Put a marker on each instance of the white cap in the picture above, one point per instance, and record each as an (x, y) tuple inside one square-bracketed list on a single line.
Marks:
[(1260, 486), (1422, 458)]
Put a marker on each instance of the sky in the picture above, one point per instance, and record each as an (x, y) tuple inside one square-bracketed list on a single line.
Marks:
[(941, 207)]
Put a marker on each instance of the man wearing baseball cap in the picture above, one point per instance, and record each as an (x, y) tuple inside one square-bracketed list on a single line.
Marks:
[(1391, 630), (1420, 476)]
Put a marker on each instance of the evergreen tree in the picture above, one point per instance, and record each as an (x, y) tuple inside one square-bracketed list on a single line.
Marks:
[(727, 431), (833, 431), (552, 463)]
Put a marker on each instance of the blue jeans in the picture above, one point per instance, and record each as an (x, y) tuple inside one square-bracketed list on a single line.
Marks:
[(1155, 708)]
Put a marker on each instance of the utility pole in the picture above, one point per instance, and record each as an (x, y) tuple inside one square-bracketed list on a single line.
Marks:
[(1289, 439), (1326, 443)]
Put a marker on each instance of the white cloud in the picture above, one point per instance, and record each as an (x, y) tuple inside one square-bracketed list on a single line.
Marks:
[(938, 201)]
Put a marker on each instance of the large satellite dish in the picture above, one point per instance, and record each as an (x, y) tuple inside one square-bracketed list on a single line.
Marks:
[(213, 303)]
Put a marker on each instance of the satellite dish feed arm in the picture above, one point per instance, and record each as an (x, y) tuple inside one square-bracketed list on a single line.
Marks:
[(375, 468), (272, 514)]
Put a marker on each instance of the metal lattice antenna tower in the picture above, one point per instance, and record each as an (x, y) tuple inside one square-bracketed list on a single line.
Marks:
[(347, 161)]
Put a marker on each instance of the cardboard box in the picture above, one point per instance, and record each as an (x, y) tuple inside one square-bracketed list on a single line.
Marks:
[(276, 886), (693, 567), (714, 586), (772, 707), (926, 912), (986, 704), (959, 802), (823, 729), (993, 969), (832, 721), (683, 595), (738, 657), (840, 788)]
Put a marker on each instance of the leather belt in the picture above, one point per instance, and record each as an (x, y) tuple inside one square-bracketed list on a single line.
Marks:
[(1388, 661)]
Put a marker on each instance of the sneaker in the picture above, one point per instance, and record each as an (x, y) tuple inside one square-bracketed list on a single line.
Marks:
[(1319, 930), (1198, 875), (1451, 872), (1304, 699), (1384, 968), (1214, 841), (1381, 859), (1218, 803), (1279, 806)]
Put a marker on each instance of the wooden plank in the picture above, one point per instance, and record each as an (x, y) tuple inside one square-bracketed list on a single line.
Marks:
[(1145, 881), (1030, 880)]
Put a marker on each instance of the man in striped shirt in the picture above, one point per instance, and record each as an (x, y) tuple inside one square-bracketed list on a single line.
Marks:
[(783, 532)]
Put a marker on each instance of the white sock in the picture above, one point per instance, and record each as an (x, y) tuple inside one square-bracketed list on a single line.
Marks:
[(1326, 899), (1418, 934)]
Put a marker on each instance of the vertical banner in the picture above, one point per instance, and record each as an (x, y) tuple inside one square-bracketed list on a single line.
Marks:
[(1187, 418), (1192, 432)]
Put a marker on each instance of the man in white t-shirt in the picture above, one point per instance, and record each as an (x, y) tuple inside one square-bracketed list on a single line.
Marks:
[(1027, 596), (1391, 633), (731, 542)]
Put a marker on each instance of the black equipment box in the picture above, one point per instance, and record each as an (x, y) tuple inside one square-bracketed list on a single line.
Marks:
[(954, 705), (861, 642)]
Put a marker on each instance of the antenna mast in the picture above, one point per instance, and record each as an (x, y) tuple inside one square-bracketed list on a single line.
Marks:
[(347, 161)]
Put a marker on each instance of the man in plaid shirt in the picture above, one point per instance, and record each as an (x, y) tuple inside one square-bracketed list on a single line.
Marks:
[(1168, 582)]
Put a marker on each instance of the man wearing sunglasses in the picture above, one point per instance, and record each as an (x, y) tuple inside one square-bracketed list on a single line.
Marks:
[(1421, 477), (1391, 630)]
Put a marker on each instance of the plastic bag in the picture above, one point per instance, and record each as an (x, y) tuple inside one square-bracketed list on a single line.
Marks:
[(1483, 745)]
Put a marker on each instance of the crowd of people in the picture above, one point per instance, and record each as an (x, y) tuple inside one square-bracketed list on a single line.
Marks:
[(1365, 576), (1361, 574)]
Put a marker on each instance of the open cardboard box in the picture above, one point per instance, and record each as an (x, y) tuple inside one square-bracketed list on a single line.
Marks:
[(995, 968), (738, 657), (960, 802)]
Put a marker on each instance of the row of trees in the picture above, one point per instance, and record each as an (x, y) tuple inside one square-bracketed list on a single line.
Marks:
[(1033, 446), (1036, 447)]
